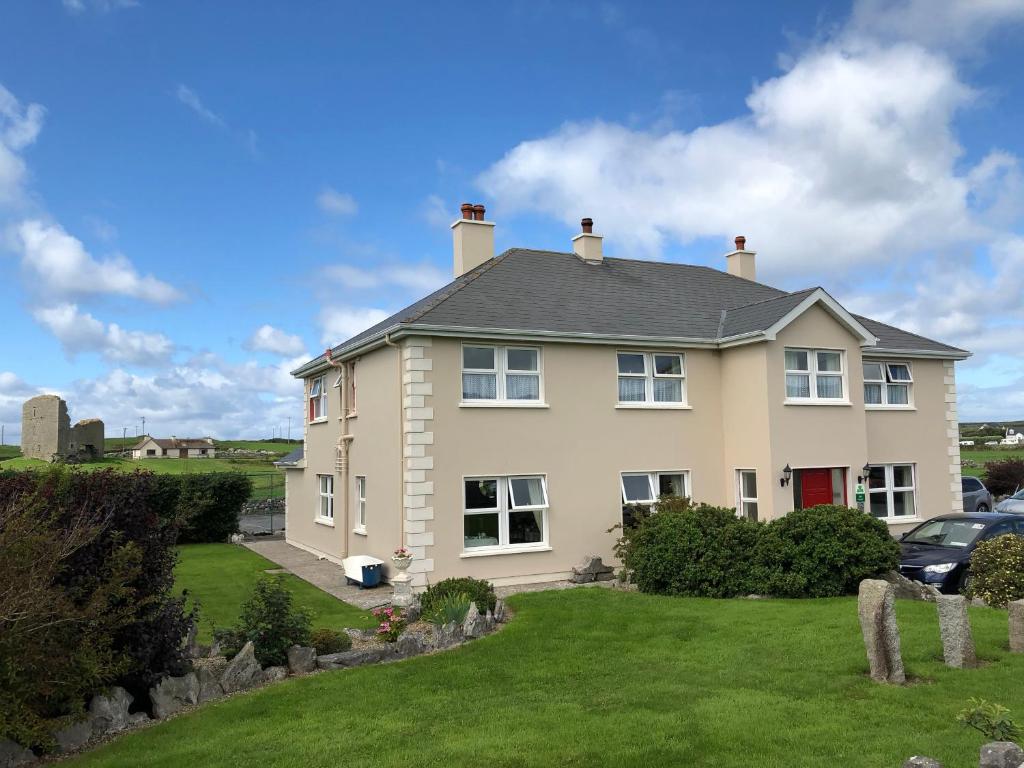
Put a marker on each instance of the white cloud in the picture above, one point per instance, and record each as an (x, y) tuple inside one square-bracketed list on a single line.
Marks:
[(339, 324), (19, 128), (267, 338), (420, 278), (336, 203), (63, 267), (100, 6), (79, 332), (436, 213), (191, 99), (957, 24)]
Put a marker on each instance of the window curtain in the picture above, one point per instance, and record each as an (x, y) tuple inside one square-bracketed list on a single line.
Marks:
[(479, 386)]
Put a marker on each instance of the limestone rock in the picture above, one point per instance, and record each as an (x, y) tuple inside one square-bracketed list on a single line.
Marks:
[(191, 643), (591, 569), (215, 649), (301, 659), (955, 626), (73, 736), (412, 644), (108, 712), (355, 658), (875, 608), (919, 761), (1016, 611), (242, 672), (473, 626), (413, 612), (500, 612), (136, 719), (448, 635), (173, 694), (273, 674), (1001, 754), (208, 673), (907, 589), (12, 754)]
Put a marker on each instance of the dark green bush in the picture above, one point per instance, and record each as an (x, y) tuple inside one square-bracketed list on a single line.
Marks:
[(477, 590), (1004, 476), (997, 570), (272, 622), (329, 641), (824, 551), (692, 550), (230, 640)]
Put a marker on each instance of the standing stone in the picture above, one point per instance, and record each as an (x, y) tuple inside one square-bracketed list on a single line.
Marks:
[(1016, 611), (500, 611), (881, 635), (72, 736), (12, 754), (473, 625), (242, 671), (920, 761), (955, 626), (301, 659), (109, 712), (1001, 754), (173, 694)]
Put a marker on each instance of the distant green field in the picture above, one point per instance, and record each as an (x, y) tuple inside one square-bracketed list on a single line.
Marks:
[(9, 452), (984, 454), (260, 445)]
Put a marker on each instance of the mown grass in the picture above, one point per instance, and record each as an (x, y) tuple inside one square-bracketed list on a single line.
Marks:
[(221, 577), (602, 678), (982, 455)]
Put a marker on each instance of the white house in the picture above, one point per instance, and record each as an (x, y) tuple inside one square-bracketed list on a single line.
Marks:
[(175, 448)]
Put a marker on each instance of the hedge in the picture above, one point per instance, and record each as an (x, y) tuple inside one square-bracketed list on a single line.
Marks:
[(997, 570)]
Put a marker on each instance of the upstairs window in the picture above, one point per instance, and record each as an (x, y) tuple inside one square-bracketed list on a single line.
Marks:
[(317, 399), (651, 378), (814, 375), (500, 374), (887, 383)]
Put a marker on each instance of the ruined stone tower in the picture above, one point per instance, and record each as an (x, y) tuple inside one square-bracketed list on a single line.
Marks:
[(47, 434)]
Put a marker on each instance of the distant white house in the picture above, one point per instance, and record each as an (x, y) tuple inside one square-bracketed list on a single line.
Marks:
[(1013, 438), (966, 442), (174, 448)]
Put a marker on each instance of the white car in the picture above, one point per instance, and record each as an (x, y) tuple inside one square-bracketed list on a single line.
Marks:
[(1013, 503)]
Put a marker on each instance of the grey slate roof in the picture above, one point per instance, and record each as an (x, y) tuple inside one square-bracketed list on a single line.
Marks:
[(557, 293), (292, 458)]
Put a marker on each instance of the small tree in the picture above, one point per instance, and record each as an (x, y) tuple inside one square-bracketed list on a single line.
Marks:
[(273, 623), (992, 720), (1005, 476)]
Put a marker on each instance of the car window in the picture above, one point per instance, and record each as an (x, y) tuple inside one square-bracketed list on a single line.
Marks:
[(970, 484), (946, 533)]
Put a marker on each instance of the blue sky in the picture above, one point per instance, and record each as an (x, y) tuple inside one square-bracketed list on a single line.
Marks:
[(195, 196)]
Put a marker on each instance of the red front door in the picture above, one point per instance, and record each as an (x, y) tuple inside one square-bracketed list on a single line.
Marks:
[(815, 487)]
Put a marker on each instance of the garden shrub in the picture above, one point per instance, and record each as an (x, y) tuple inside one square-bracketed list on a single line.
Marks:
[(272, 622), (90, 563), (823, 551), (1005, 476), (329, 641), (230, 640), (448, 608), (479, 591), (997, 570), (691, 550), (210, 505)]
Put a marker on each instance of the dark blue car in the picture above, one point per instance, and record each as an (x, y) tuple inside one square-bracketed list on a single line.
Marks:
[(938, 551)]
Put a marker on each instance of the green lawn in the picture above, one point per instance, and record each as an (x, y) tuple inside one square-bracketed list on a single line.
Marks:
[(981, 455), (221, 577), (594, 677)]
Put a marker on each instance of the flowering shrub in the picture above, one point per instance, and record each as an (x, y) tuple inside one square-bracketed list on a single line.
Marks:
[(392, 623), (997, 570)]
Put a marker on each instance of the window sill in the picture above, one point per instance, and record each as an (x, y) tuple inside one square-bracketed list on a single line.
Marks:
[(359, 531), (653, 407), (899, 520), (501, 404), (323, 521), (889, 408), (842, 403), (489, 551), (322, 420)]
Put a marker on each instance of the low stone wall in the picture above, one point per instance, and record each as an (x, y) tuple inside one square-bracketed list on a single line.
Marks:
[(263, 507), (996, 754)]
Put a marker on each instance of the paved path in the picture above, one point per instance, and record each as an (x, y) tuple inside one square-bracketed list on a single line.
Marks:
[(320, 573)]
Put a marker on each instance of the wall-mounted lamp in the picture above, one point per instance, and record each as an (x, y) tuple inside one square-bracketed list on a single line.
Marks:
[(787, 473), (865, 473)]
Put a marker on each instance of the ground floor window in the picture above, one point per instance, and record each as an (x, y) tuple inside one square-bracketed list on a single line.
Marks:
[(505, 511), (645, 488), (892, 491), (746, 493), (360, 503), (325, 508)]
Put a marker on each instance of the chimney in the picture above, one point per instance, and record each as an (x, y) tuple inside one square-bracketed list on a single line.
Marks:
[(587, 245), (741, 261), (472, 238)]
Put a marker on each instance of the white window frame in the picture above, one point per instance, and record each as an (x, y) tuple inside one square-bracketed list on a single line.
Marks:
[(741, 500), (320, 399), (889, 490), (812, 374), (649, 375), (886, 381), (505, 506), (321, 495), (653, 483), (501, 372), (360, 494)]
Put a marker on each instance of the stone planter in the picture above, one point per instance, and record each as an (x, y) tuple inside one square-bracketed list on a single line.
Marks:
[(402, 583)]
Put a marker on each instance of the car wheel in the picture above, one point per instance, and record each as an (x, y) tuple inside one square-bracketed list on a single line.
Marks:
[(983, 508), (965, 583)]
